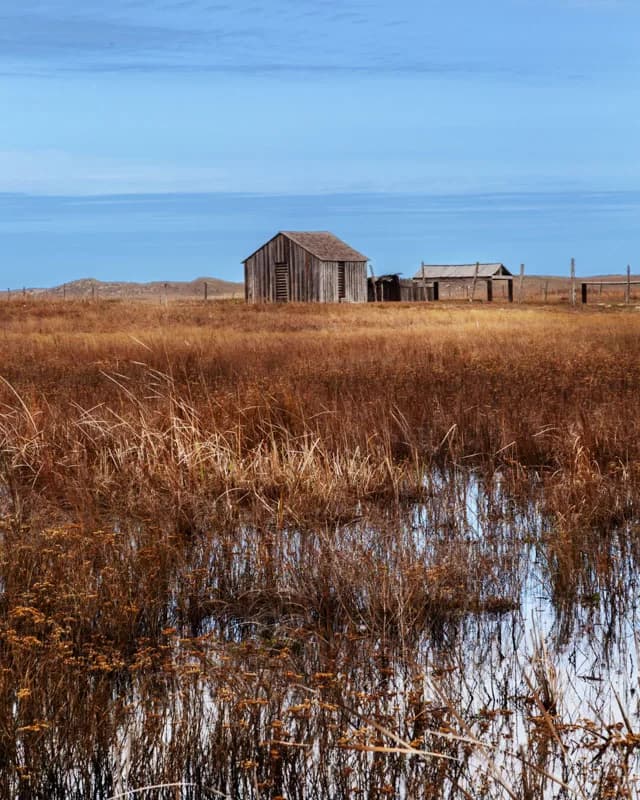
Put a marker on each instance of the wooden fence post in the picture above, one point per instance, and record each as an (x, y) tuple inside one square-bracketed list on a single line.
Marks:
[(475, 280), (521, 284), (206, 291), (424, 282), (373, 281), (573, 281), (627, 295)]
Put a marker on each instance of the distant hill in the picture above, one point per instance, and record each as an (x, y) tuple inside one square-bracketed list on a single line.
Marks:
[(91, 287), (536, 288)]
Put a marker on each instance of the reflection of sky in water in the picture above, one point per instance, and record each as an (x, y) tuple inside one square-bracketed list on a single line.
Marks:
[(579, 635), (590, 645), (587, 634)]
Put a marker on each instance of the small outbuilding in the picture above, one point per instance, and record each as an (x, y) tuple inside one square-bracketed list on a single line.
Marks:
[(305, 266), (448, 276), (392, 287)]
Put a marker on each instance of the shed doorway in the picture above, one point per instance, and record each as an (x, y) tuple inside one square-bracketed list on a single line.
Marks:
[(341, 281), (282, 282)]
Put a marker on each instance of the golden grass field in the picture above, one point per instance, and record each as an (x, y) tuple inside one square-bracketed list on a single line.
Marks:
[(237, 553)]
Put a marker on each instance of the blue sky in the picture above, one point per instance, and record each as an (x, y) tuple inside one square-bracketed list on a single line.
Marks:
[(163, 140)]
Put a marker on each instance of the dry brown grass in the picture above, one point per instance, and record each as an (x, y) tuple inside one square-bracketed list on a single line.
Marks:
[(211, 566), (306, 408)]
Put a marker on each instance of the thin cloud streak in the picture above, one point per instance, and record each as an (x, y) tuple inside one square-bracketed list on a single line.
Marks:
[(374, 37), (54, 173)]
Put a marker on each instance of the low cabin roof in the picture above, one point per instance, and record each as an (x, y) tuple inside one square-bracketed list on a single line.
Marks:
[(321, 244), (453, 271)]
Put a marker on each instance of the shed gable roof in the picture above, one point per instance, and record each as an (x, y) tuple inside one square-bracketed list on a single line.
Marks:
[(324, 245), (444, 271), (321, 244)]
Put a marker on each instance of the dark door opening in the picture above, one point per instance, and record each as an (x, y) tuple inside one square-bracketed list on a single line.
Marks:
[(282, 283), (341, 281)]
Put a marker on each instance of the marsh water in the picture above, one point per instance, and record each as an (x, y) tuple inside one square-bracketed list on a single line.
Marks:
[(458, 627), (459, 645)]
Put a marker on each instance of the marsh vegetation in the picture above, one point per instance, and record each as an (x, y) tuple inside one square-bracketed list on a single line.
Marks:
[(312, 552)]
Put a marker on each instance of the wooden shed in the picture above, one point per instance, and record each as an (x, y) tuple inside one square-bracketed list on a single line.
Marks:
[(463, 276), (305, 266)]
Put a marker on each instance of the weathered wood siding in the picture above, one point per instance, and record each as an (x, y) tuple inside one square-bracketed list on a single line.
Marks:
[(310, 280), (389, 288)]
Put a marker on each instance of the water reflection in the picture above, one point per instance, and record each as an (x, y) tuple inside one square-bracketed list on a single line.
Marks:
[(467, 645), (459, 616)]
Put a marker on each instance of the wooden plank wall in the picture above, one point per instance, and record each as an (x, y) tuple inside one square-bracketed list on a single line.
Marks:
[(310, 280), (260, 270)]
